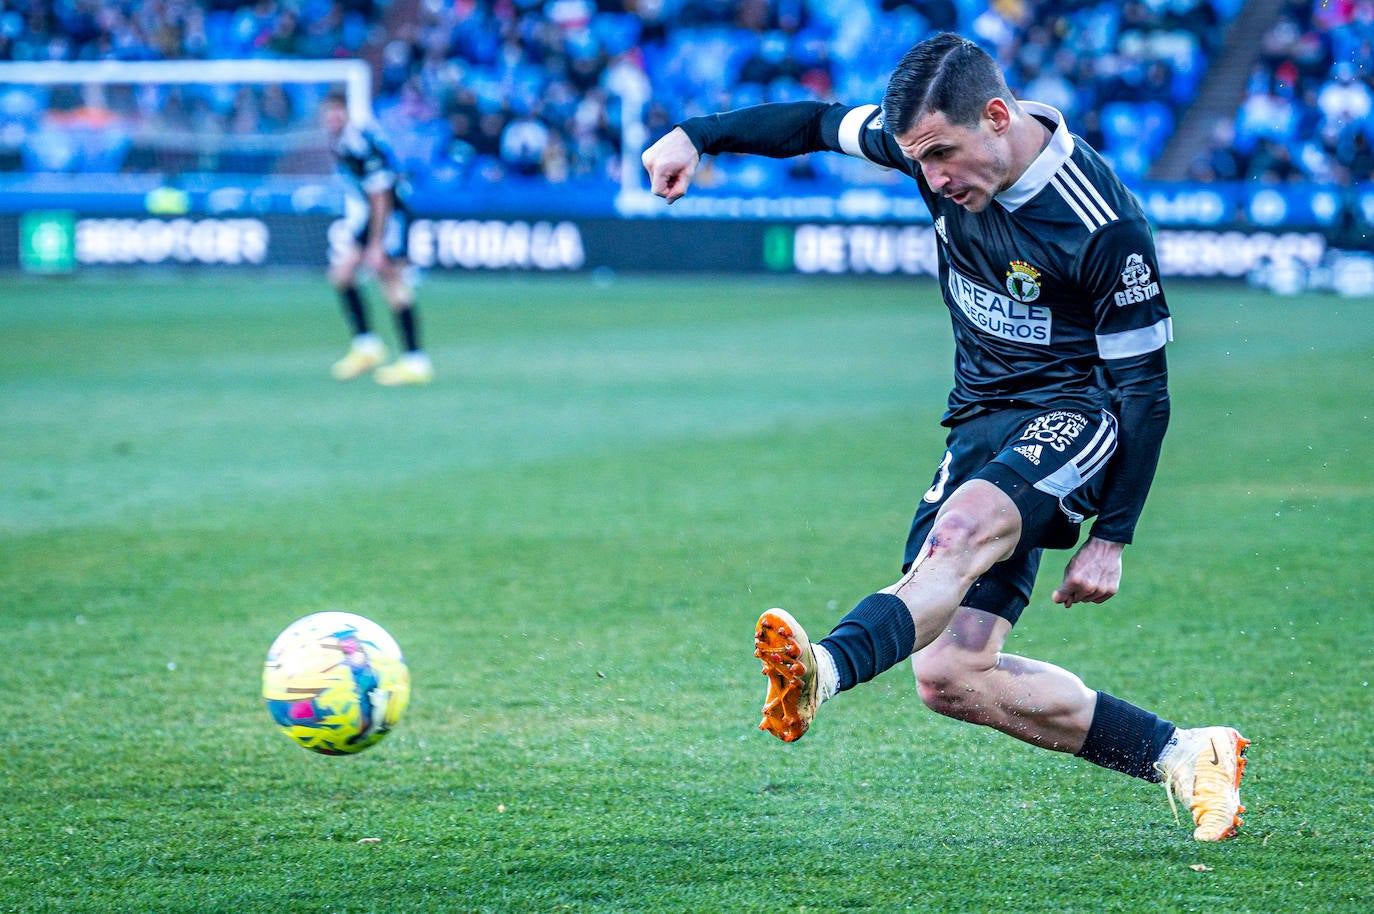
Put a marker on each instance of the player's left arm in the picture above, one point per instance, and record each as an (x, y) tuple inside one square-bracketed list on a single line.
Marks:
[(379, 210), (1120, 269)]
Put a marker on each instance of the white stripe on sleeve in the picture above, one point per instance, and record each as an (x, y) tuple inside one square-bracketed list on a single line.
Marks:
[(849, 130), (1130, 343)]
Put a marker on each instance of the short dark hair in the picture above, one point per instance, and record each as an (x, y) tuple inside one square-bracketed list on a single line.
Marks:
[(335, 97), (945, 73)]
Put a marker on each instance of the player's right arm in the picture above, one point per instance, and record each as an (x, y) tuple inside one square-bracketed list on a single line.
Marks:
[(777, 131), (671, 164), (377, 180)]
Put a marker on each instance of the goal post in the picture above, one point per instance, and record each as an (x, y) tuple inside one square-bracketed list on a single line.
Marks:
[(183, 161), (172, 116), (354, 74)]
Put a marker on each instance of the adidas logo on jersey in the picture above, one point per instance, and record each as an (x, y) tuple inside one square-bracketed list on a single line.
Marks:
[(1029, 451), (940, 230)]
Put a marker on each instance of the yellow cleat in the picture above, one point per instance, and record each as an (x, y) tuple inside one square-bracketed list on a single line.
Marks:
[(411, 368), (1208, 781), (790, 665), (364, 355)]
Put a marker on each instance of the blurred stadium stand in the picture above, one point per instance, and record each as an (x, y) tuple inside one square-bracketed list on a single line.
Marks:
[(482, 91), (1221, 114), (1295, 105)]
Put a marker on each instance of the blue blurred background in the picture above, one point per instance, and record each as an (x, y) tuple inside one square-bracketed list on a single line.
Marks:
[(1238, 114)]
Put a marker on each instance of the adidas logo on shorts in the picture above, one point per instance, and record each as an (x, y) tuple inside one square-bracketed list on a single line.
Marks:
[(1029, 451)]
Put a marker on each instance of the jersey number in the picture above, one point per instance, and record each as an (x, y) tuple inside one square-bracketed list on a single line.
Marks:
[(937, 491)]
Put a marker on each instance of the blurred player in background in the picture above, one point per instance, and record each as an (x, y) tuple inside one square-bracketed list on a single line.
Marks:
[(379, 220), (1059, 409)]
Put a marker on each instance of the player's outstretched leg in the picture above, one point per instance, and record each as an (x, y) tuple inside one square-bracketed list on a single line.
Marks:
[(789, 662), (1204, 772)]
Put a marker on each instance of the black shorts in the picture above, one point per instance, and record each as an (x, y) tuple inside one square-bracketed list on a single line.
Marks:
[(1049, 462), (394, 233)]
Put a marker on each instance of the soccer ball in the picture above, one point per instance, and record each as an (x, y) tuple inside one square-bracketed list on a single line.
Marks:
[(336, 683)]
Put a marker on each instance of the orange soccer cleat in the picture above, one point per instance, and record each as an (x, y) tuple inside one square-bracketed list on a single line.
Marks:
[(790, 665), (1208, 781)]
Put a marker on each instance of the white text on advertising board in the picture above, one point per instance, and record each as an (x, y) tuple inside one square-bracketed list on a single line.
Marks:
[(189, 241), (881, 249), (493, 244)]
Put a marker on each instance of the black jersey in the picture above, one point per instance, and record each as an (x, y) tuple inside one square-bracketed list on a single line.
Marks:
[(368, 166), (1056, 276), (1053, 289)]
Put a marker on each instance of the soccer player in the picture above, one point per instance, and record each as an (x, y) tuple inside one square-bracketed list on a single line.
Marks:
[(1059, 406), (378, 220)]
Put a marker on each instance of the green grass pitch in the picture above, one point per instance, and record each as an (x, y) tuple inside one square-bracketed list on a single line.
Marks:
[(571, 533)]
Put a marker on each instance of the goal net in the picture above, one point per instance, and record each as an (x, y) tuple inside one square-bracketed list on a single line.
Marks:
[(152, 140)]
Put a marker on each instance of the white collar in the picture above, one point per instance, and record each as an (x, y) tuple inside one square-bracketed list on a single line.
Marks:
[(1043, 167)]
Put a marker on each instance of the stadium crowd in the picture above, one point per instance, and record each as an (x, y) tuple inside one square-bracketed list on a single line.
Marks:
[(542, 89), (175, 29), (539, 90), (1306, 112)]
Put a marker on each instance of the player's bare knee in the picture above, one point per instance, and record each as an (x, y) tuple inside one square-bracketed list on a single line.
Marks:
[(962, 537), (947, 679), (949, 697), (397, 293), (953, 534)]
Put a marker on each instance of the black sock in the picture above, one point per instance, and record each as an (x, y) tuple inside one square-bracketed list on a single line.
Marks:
[(355, 312), (877, 635), (1125, 738), (407, 327)]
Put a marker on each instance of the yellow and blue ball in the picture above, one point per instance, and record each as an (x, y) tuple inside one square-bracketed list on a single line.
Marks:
[(335, 682)]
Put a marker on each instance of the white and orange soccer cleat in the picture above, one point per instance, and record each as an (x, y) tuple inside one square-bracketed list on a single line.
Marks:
[(790, 665), (411, 368), (1207, 779), (366, 353)]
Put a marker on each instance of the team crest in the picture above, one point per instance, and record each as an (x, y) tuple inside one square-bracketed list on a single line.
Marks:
[(1023, 281)]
